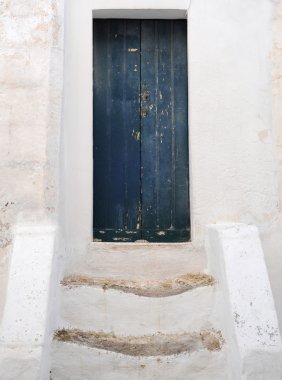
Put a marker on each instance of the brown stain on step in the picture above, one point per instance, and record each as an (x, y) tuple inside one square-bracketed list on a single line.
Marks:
[(145, 288), (149, 345)]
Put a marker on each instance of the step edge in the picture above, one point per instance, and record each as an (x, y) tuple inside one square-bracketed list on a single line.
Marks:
[(144, 288), (158, 344)]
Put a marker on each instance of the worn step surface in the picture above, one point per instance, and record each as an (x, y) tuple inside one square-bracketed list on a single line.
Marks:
[(72, 361), (145, 288), (139, 311), (146, 345), (140, 260), (138, 307)]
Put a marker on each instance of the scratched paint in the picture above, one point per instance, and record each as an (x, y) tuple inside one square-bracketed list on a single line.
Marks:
[(165, 195), (141, 189), (116, 130)]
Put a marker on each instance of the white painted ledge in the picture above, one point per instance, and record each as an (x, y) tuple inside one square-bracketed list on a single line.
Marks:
[(24, 331), (141, 4), (237, 261)]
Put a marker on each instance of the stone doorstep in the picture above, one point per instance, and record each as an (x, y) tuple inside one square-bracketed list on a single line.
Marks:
[(140, 260)]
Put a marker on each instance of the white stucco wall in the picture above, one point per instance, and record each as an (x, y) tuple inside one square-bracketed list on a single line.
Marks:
[(30, 112), (235, 93), (233, 156), (235, 60), (272, 234), (247, 312), (236, 121), (233, 166)]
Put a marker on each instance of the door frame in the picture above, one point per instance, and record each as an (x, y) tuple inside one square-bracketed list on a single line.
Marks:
[(77, 150)]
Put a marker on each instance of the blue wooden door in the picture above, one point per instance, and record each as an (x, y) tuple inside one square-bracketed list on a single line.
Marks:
[(140, 128)]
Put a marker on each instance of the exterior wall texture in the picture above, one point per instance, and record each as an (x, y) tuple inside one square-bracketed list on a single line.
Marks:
[(30, 111), (272, 234), (235, 97)]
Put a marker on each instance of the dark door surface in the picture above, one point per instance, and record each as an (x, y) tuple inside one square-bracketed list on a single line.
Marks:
[(140, 128)]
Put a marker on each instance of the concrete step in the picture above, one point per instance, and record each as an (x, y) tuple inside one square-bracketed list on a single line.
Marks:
[(80, 355), (146, 345), (140, 260), (139, 311), (185, 303), (145, 288)]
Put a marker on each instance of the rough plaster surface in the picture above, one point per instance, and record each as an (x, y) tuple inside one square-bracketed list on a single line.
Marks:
[(21, 363), (141, 261), (234, 119), (89, 308), (25, 331), (232, 151), (30, 102), (277, 84), (103, 365), (250, 320), (272, 234)]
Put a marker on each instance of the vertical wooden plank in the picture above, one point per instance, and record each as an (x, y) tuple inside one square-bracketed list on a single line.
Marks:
[(149, 105), (131, 111), (116, 126), (181, 211), (165, 126), (116, 201), (156, 125), (101, 127), (164, 123)]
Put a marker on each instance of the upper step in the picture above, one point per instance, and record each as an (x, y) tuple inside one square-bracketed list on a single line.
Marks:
[(145, 288), (141, 260)]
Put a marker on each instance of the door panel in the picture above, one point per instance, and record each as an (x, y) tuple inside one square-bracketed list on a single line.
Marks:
[(181, 210), (116, 117), (140, 130), (164, 144)]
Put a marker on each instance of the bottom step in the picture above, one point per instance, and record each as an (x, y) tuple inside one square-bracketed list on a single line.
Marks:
[(91, 355), (78, 362), (147, 345)]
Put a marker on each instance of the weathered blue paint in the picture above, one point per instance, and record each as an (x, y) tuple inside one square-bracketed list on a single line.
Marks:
[(140, 130), (116, 114), (164, 144)]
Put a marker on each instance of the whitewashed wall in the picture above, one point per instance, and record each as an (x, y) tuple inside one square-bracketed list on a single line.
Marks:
[(272, 233), (30, 111), (236, 120), (233, 166), (235, 103)]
